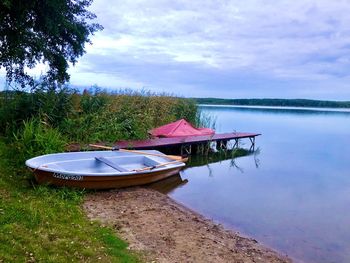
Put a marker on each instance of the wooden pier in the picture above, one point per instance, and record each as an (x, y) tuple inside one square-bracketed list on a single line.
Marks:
[(186, 145)]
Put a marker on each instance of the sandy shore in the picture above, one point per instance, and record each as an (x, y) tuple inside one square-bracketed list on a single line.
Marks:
[(165, 231)]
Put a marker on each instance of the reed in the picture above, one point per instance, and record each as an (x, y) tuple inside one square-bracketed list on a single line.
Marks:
[(46, 224), (36, 137), (95, 115)]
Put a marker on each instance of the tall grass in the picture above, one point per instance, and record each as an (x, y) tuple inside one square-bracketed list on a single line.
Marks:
[(18, 106), (205, 119), (124, 115), (36, 137), (94, 115), (45, 224)]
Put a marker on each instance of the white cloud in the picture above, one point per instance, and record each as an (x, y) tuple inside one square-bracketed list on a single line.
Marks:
[(268, 36), (191, 45)]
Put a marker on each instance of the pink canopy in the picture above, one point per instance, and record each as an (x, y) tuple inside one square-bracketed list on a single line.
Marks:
[(179, 128)]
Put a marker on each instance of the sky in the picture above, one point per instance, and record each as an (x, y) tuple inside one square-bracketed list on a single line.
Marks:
[(225, 49)]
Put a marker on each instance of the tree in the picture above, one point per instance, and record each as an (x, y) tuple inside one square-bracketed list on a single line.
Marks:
[(53, 32)]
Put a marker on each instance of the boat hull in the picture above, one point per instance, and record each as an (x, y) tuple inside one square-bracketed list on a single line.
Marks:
[(102, 182)]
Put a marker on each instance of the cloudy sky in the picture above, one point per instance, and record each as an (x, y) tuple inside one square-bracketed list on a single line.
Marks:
[(234, 49)]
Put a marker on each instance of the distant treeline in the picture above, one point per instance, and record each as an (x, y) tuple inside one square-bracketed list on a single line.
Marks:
[(275, 102)]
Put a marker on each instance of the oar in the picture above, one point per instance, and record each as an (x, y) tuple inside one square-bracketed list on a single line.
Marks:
[(160, 165), (172, 157)]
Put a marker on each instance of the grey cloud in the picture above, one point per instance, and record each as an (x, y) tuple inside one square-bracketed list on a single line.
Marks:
[(191, 79), (239, 47)]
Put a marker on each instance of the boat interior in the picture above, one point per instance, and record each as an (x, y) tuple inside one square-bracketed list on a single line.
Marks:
[(96, 163)]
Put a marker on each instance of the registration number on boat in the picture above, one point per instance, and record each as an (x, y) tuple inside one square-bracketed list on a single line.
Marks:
[(68, 176)]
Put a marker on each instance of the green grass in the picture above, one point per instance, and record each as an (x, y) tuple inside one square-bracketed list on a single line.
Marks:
[(45, 224), (90, 117)]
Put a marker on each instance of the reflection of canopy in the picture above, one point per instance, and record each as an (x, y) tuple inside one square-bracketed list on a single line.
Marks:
[(178, 129)]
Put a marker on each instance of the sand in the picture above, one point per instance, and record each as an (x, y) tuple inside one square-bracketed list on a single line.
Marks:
[(162, 230)]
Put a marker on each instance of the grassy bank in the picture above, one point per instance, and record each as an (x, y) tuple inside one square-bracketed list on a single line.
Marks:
[(47, 224), (45, 121)]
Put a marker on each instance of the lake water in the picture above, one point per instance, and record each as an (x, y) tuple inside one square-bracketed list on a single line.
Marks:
[(293, 194)]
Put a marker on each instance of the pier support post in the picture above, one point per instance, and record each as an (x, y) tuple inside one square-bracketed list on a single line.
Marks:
[(200, 148), (252, 140), (221, 145), (236, 144), (186, 148), (218, 144)]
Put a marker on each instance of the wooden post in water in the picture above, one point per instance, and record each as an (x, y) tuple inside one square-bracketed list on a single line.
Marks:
[(221, 145), (236, 145), (186, 148), (252, 140)]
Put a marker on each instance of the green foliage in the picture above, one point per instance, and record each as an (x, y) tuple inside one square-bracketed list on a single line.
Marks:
[(46, 224), (50, 31), (185, 109), (275, 102), (36, 138), (204, 119), (94, 115), (93, 104), (16, 106), (124, 115), (55, 104)]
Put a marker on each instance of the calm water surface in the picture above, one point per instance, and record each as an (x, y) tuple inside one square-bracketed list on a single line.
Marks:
[(294, 195)]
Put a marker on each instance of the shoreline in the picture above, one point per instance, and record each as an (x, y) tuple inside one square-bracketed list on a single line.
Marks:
[(163, 230)]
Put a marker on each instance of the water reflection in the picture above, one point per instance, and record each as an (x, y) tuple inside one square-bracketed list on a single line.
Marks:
[(230, 155), (167, 185), (213, 157), (294, 195)]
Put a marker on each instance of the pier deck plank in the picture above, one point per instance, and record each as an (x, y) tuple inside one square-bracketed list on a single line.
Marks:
[(178, 141)]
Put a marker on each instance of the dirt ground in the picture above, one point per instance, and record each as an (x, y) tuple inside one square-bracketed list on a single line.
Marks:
[(165, 231)]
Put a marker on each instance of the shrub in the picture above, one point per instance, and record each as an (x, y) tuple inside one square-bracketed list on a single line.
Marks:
[(94, 115), (122, 116), (36, 138), (17, 106)]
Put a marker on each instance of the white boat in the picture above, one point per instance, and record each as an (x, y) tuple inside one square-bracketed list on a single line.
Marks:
[(103, 169)]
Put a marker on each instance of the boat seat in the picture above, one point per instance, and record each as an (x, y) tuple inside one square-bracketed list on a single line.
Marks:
[(111, 164)]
